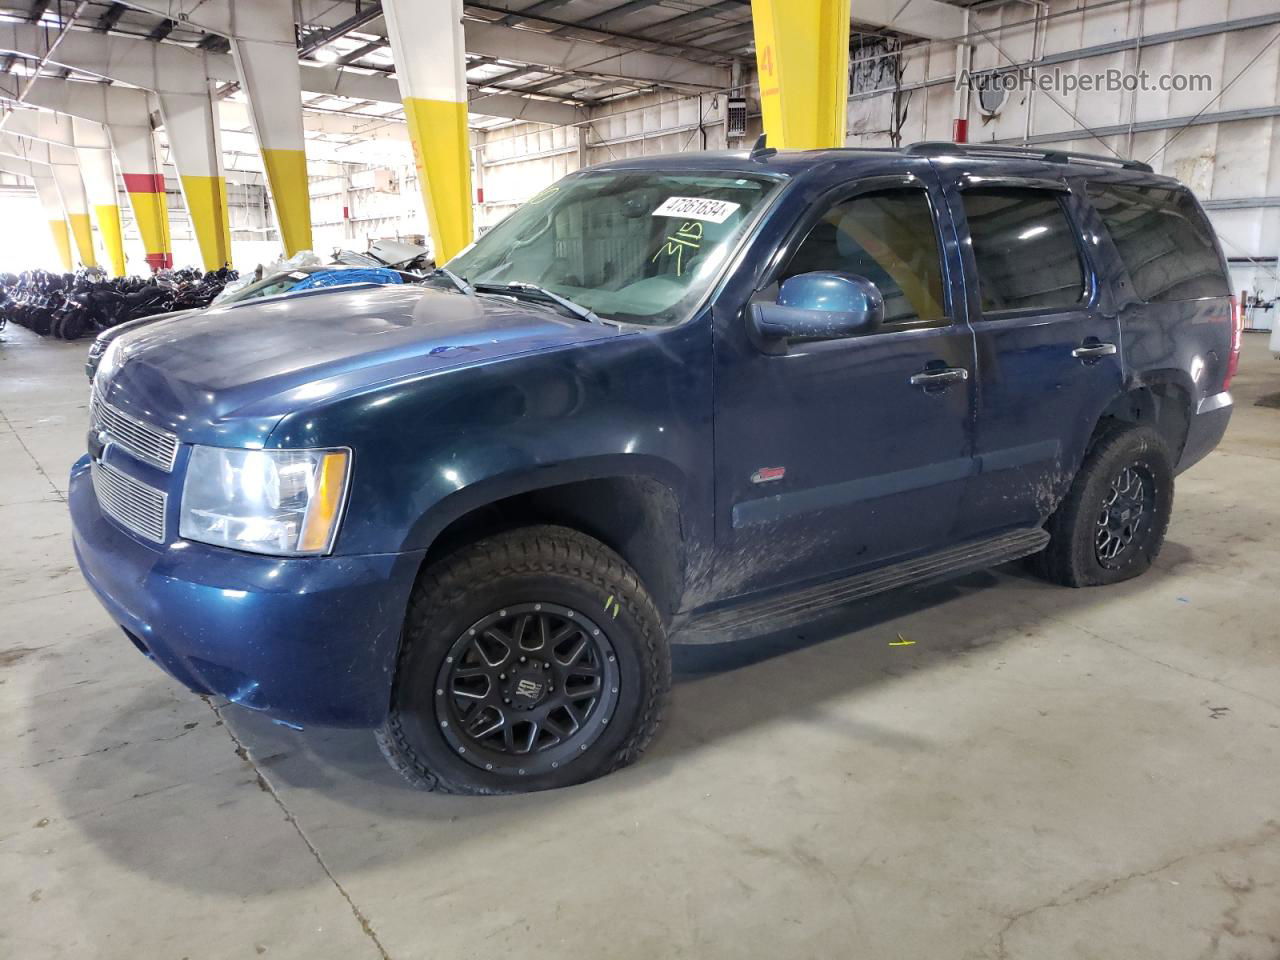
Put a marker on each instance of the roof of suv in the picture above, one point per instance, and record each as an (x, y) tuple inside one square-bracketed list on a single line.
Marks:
[(790, 163)]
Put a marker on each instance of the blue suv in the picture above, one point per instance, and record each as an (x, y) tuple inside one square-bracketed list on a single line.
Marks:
[(686, 398)]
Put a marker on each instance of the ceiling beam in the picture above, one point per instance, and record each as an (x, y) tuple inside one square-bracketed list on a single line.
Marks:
[(115, 55), (568, 56), (111, 17), (619, 13), (362, 51), (639, 42), (662, 27), (354, 22), (162, 30), (546, 6), (919, 18)]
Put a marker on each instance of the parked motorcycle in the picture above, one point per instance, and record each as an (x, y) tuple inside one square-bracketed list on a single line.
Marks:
[(70, 306)]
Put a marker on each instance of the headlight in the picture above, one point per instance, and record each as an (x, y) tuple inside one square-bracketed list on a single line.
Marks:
[(264, 501), (110, 358)]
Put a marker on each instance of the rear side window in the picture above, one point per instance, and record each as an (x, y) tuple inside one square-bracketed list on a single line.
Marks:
[(889, 239), (1164, 240), (1025, 248)]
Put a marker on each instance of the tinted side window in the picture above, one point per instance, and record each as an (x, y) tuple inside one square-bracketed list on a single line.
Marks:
[(1164, 240), (889, 239), (1025, 248)]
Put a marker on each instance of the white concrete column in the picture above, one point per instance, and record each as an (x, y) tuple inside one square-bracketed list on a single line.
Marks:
[(99, 174), (265, 52), (195, 140), (430, 53), (66, 174), (50, 201), (55, 214), (126, 112), (266, 56), (51, 141)]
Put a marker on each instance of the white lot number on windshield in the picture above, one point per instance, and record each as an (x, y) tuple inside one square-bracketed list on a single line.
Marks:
[(697, 208)]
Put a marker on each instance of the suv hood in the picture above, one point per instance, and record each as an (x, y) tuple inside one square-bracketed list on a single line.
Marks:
[(252, 363)]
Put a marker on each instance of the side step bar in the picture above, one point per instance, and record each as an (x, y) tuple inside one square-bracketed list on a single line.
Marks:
[(775, 612)]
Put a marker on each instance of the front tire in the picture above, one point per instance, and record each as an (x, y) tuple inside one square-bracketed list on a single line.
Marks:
[(530, 660), (1112, 523)]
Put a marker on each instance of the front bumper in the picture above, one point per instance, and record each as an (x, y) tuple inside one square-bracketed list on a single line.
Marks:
[(1206, 429), (307, 640)]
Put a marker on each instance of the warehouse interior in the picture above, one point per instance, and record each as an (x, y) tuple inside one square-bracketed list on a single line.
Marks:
[(990, 767)]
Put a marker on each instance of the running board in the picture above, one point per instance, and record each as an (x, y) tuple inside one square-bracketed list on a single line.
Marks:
[(775, 612)]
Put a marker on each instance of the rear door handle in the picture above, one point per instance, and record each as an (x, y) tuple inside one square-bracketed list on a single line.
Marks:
[(942, 377), (1093, 349)]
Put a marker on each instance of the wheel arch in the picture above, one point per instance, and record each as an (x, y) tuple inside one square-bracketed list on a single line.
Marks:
[(1161, 399), (633, 504)]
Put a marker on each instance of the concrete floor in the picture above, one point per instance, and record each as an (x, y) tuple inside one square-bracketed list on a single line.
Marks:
[(1044, 774)]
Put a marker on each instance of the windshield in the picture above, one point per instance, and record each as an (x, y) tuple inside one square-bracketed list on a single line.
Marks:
[(639, 246)]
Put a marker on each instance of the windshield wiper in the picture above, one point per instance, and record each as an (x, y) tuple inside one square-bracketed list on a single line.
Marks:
[(457, 281), (519, 286)]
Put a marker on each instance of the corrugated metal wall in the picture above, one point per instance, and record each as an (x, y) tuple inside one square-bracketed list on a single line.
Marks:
[(1229, 154)]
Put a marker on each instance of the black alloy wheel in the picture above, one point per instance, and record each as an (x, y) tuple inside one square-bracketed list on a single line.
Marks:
[(527, 688), (1122, 519), (1111, 524), (530, 660)]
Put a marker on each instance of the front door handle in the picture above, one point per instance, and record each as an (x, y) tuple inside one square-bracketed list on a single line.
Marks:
[(941, 377), (1093, 349)]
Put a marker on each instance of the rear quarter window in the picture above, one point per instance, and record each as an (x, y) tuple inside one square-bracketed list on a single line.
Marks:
[(1165, 241), (1025, 250)]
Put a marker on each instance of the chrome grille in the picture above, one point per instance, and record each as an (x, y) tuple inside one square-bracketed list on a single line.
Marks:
[(130, 502), (149, 444)]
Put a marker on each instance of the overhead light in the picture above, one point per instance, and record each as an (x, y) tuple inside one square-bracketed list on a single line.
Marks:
[(325, 55)]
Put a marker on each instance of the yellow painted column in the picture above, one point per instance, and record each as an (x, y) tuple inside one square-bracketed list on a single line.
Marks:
[(196, 144), (290, 195), (66, 173), (802, 55), (107, 216), (207, 205), (62, 242), (51, 204), (151, 213), (430, 55), (267, 63), (93, 149), (82, 233)]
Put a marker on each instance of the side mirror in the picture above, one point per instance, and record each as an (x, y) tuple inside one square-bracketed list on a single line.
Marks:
[(819, 306)]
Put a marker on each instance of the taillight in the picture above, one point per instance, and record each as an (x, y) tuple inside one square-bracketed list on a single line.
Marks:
[(1237, 326)]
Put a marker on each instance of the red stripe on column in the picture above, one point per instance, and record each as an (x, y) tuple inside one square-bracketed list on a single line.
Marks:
[(144, 182), (960, 131)]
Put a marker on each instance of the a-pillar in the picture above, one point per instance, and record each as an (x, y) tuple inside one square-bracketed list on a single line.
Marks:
[(191, 122), (135, 148), (66, 173), (268, 67), (802, 54), (430, 56), (99, 175)]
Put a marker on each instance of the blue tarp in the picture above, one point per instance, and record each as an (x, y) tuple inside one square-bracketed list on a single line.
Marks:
[(334, 278)]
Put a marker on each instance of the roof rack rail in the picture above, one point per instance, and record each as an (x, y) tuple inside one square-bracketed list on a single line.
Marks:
[(937, 148)]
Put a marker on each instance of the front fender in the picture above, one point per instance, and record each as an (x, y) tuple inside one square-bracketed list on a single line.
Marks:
[(497, 487), (430, 449)]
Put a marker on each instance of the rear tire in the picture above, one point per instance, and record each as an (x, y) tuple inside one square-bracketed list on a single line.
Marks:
[(1112, 523), (480, 648)]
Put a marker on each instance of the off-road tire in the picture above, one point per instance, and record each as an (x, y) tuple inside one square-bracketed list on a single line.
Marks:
[(1071, 557), (546, 564)]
